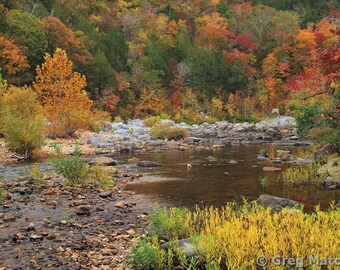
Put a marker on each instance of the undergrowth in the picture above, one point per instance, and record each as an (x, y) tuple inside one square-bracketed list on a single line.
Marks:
[(235, 236)]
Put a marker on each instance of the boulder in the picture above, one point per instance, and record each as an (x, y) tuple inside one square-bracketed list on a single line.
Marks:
[(330, 183), (186, 245), (328, 149), (276, 203), (147, 164), (211, 158), (103, 161)]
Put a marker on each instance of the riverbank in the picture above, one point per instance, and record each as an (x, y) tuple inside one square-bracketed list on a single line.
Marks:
[(53, 226)]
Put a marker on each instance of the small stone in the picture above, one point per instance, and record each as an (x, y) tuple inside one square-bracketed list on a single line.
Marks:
[(84, 210), (120, 204), (46, 222), (36, 237), (18, 237), (51, 236), (63, 222), (131, 232), (60, 249), (106, 252), (30, 227), (8, 217), (50, 191), (105, 194)]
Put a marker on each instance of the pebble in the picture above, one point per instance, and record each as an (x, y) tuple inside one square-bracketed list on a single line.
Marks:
[(8, 217), (120, 204)]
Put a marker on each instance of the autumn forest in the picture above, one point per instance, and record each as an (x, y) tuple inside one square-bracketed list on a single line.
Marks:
[(159, 134), (227, 59)]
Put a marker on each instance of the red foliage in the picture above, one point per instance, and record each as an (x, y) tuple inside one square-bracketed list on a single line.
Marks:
[(245, 42), (177, 98), (311, 81), (110, 102)]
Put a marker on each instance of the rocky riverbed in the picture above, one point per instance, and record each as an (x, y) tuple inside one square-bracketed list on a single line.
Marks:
[(52, 226)]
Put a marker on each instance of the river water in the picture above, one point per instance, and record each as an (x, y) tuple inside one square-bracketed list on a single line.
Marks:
[(233, 176)]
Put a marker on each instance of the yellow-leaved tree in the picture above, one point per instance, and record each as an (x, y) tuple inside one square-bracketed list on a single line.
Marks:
[(61, 92)]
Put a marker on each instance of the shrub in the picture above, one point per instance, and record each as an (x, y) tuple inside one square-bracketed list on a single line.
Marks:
[(321, 124), (36, 175), (100, 178), (22, 124), (298, 175), (172, 223), (74, 169), (164, 131), (233, 237), (78, 173), (97, 120), (151, 121)]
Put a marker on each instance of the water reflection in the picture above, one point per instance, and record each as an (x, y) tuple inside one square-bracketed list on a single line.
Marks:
[(234, 175)]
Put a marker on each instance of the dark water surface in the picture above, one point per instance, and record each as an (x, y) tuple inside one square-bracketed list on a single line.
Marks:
[(217, 182)]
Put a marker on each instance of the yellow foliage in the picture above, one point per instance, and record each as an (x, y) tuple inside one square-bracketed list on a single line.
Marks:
[(235, 236)]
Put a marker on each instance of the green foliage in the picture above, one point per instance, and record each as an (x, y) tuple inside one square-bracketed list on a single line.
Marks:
[(77, 172), (315, 123), (263, 181), (27, 31), (164, 131), (21, 124), (36, 175), (146, 256), (173, 223), (74, 169), (2, 193)]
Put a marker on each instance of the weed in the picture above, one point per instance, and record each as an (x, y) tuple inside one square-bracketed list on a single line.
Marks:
[(36, 175), (298, 175), (100, 178), (2, 193), (164, 131), (263, 181), (77, 172)]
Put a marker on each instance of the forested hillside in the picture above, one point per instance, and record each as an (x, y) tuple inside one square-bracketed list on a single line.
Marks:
[(233, 60)]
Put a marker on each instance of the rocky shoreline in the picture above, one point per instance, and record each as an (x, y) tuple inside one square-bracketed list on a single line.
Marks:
[(135, 136)]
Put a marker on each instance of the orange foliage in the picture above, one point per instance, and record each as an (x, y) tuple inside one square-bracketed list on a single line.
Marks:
[(63, 37), (12, 60), (271, 86), (60, 91), (212, 32)]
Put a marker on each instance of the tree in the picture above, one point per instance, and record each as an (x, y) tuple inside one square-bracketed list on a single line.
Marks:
[(60, 36), (212, 32), (60, 91), (27, 31), (12, 61)]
